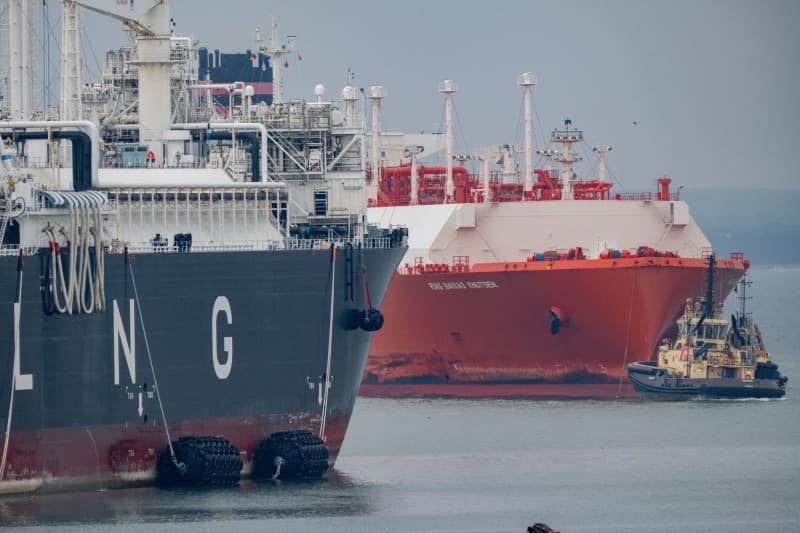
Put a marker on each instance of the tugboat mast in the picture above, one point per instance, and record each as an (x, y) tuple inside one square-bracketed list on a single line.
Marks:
[(744, 283), (709, 304)]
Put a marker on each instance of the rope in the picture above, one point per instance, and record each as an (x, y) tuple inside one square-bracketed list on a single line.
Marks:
[(279, 462), (85, 274), (150, 357), (17, 305), (327, 383), (100, 266), (56, 268), (627, 334), (367, 299)]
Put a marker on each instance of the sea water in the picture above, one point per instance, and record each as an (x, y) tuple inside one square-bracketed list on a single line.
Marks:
[(443, 465)]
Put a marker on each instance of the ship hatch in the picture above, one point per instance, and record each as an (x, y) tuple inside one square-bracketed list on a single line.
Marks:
[(320, 203)]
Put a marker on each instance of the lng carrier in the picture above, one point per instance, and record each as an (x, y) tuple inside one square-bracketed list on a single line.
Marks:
[(525, 281), (186, 295)]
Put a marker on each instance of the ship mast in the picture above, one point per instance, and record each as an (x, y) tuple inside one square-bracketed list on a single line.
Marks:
[(152, 28), (413, 152), (274, 53), (527, 81), (709, 305), (602, 171), (448, 87), (566, 138), (70, 104), (376, 94), (20, 75), (743, 285)]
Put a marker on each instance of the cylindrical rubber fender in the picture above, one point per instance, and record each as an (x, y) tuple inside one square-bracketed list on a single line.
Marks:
[(290, 455), (371, 320), (200, 461)]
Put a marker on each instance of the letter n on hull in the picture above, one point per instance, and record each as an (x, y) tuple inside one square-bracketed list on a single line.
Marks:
[(128, 342)]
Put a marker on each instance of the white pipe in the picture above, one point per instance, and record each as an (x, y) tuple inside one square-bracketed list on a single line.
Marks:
[(487, 190), (244, 126), (70, 103), (448, 110), (527, 81), (225, 86), (27, 63), (376, 95), (85, 125), (15, 61), (448, 87), (414, 180), (374, 184)]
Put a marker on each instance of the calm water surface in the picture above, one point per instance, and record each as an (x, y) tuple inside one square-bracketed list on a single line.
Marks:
[(499, 465)]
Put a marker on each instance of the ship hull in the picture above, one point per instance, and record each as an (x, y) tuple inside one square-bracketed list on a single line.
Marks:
[(239, 349), (489, 332)]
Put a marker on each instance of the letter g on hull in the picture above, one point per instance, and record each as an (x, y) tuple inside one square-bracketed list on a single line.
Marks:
[(223, 370)]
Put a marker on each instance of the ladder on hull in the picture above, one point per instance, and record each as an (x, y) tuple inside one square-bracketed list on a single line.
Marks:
[(3, 224)]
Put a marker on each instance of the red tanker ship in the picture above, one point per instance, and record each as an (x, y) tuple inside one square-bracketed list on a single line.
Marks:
[(530, 283)]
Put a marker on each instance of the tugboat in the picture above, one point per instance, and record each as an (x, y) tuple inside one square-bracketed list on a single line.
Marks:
[(709, 359)]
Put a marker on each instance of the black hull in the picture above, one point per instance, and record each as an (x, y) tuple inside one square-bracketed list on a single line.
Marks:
[(82, 415), (653, 383)]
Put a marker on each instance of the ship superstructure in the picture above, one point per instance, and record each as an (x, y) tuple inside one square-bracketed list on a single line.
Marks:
[(188, 295), (528, 281)]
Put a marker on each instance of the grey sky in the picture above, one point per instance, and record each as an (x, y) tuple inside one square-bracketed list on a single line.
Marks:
[(712, 85)]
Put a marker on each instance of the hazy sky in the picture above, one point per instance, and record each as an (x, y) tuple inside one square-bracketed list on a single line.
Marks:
[(712, 86)]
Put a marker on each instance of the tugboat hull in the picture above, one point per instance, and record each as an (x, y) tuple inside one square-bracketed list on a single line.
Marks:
[(654, 383)]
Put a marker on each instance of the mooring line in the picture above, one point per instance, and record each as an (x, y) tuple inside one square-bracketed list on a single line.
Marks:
[(14, 364), (149, 356), (327, 381)]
